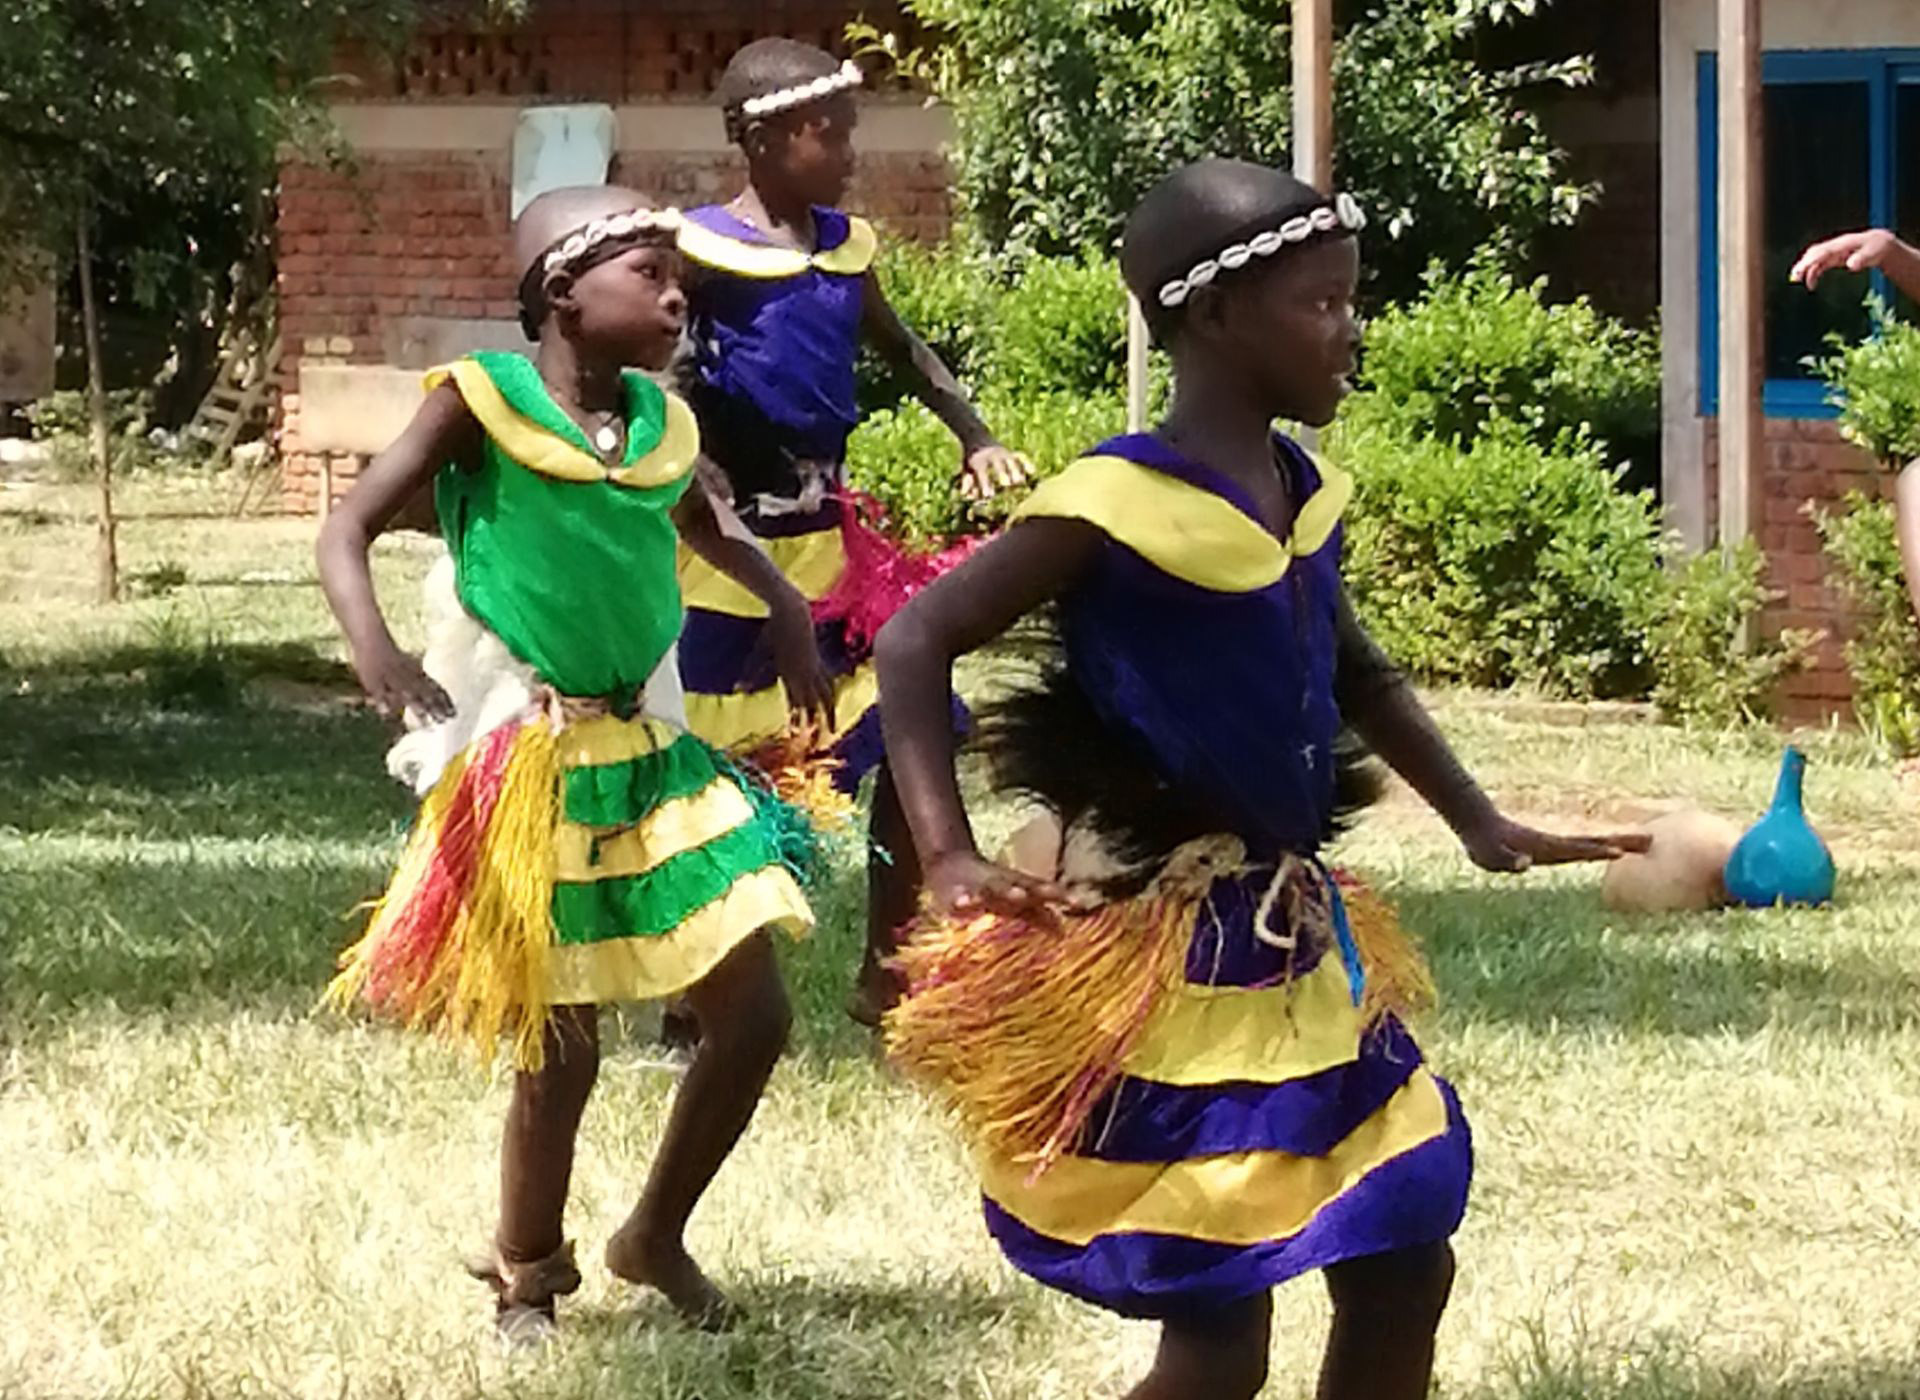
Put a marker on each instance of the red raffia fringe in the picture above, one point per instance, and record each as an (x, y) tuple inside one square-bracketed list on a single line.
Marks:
[(458, 944), (801, 771), (1398, 980), (881, 577)]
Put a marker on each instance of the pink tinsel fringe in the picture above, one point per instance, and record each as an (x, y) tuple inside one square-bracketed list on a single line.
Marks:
[(880, 577)]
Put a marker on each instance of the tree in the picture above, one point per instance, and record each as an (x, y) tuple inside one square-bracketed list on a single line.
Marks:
[(1069, 109), (103, 103)]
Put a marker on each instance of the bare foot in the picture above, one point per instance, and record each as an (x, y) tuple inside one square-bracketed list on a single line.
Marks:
[(671, 1271)]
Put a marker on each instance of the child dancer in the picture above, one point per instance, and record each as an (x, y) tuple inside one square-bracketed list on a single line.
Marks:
[(783, 294), (576, 845), (1189, 1084)]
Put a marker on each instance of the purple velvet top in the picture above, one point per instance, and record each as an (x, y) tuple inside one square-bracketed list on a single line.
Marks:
[(1232, 693), (776, 354)]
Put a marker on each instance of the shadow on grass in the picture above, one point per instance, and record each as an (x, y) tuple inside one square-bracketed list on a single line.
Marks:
[(808, 1340), (1543, 956), (157, 858), (165, 743)]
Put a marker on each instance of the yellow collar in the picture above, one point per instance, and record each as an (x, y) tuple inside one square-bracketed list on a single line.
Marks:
[(1184, 530), (539, 450), (853, 256)]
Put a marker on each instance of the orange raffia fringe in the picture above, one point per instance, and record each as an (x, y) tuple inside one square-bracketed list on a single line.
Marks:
[(1022, 1024), (800, 772), (1398, 980), (458, 944)]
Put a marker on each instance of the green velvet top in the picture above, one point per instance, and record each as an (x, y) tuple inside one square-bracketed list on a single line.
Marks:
[(570, 561)]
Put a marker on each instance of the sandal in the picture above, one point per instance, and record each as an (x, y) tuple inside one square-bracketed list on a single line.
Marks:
[(524, 1294)]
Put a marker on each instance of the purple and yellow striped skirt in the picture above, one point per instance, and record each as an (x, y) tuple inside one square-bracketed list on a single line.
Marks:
[(855, 578), (1263, 1114)]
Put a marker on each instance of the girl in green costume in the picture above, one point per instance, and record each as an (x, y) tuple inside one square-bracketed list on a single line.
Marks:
[(576, 845)]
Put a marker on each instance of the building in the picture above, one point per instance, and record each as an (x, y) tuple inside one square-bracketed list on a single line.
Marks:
[(1839, 133)]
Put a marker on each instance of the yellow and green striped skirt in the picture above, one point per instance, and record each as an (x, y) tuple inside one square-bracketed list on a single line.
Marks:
[(562, 861)]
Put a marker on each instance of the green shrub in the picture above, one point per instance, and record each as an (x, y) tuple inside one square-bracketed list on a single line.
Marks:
[(1062, 328), (1481, 348), (1058, 326), (1704, 672), (1884, 651), (1877, 385), (909, 461), (1502, 563)]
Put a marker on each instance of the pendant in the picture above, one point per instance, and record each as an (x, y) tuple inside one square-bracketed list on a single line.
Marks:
[(607, 438)]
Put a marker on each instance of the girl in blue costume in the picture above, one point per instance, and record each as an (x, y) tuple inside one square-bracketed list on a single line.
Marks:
[(1177, 1049), (783, 294)]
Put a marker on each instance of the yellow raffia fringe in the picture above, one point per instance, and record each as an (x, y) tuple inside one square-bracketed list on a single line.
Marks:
[(801, 774), (489, 977), (1398, 978), (1021, 1025)]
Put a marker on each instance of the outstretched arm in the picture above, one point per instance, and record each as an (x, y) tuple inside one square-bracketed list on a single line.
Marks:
[(711, 529), (442, 432), (1033, 562), (1375, 697), (1861, 252), (987, 466)]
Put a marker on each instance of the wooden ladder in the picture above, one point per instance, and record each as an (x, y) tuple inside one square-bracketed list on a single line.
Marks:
[(242, 395)]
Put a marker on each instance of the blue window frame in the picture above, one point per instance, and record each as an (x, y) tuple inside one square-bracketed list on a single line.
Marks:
[(1842, 152)]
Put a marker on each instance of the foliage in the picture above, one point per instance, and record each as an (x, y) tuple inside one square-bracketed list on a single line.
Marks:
[(1069, 109), (1705, 671), (104, 101), (1877, 385), (1884, 650), (64, 413), (1502, 562), (908, 460), (1481, 346), (1062, 329), (1058, 325)]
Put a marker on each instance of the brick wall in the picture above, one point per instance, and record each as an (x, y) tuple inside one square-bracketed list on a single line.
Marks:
[(1807, 462)]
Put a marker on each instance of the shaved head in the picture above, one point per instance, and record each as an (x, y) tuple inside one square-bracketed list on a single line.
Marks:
[(1197, 211), (550, 217)]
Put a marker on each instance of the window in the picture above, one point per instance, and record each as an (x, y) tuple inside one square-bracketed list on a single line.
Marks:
[(1842, 152)]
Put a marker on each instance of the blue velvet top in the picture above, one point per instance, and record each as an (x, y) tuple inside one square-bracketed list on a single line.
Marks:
[(776, 352), (1232, 692)]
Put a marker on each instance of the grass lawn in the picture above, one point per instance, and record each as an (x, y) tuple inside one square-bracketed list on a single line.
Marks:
[(1698, 1137)]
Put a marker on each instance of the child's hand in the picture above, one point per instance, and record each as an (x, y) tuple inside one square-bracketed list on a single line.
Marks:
[(1856, 252), (990, 469), (967, 883), (796, 656), (1509, 847), (397, 682)]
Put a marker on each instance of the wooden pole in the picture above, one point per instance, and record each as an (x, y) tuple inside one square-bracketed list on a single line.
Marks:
[(1313, 110), (1313, 92), (1136, 366), (106, 556), (1742, 266)]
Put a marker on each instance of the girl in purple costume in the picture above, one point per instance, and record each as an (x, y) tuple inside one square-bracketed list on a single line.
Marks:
[(1177, 1050), (783, 295)]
